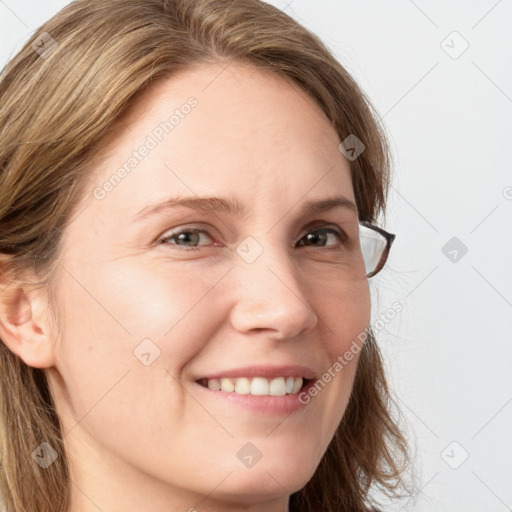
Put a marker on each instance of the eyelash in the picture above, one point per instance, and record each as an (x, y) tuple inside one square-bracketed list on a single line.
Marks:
[(338, 231)]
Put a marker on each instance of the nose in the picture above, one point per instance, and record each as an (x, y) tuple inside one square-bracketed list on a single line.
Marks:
[(270, 297)]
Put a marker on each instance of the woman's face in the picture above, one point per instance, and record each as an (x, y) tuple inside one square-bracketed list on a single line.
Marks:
[(149, 307)]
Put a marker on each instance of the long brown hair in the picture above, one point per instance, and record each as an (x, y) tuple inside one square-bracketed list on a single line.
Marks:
[(60, 96)]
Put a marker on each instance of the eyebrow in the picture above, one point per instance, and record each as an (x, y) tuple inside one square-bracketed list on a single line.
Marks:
[(233, 206)]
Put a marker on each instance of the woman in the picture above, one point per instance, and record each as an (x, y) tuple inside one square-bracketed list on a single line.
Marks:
[(188, 199)]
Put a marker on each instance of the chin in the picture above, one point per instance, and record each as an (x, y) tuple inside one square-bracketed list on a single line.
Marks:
[(265, 482)]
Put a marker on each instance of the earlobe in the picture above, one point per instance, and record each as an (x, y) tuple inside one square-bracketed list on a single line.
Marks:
[(24, 326)]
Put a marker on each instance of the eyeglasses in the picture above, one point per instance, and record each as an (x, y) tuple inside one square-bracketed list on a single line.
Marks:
[(375, 246)]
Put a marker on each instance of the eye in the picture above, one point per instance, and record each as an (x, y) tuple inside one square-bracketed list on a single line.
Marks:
[(189, 238), (322, 235)]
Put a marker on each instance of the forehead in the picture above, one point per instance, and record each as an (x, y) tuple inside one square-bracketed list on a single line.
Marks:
[(222, 130)]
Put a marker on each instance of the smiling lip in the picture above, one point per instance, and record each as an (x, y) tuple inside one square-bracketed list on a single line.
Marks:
[(260, 404), (263, 371)]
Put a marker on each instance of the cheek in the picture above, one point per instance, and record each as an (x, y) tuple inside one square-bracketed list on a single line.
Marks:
[(133, 302), (116, 318), (346, 315), (346, 312)]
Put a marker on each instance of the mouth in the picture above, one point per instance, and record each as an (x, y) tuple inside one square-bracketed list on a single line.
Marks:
[(256, 386)]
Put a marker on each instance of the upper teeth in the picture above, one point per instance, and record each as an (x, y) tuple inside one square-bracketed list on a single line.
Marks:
[(257, 385)]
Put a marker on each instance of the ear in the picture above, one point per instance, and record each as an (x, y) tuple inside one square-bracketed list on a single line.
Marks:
[(24, 322)]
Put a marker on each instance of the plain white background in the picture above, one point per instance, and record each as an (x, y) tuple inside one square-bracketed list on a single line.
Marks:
[(440, 76)]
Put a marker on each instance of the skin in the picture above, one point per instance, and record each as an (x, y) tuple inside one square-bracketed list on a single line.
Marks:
[(137, 437)]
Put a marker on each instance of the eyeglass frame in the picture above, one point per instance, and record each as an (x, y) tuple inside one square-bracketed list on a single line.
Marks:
[(390, 237)]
